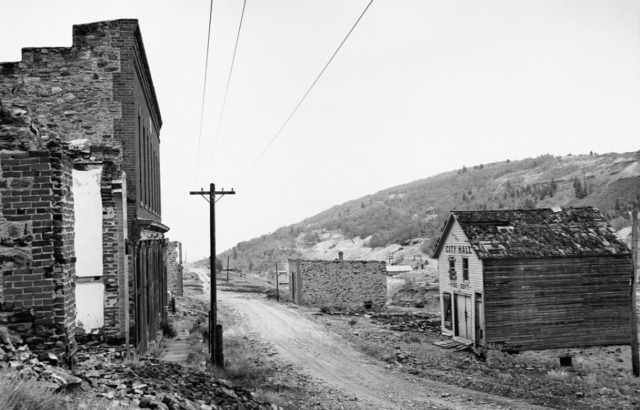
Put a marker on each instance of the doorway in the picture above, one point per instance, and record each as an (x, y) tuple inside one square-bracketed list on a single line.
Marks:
[(463, 316), (479, 320)]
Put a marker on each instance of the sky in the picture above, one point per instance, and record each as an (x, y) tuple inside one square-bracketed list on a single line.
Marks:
[(419, 87)]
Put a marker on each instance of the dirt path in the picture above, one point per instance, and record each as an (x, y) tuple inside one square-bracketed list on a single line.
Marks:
[(325, 356), (203, 275)]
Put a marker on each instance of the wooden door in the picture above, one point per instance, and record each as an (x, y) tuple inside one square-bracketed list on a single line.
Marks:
[(479, 320), (463, 316)]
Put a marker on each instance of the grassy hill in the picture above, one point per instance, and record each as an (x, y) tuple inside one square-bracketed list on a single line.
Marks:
[(414, 213)]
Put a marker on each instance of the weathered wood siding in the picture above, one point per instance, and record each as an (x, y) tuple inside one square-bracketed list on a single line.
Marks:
[(533, 304), (455, 244)]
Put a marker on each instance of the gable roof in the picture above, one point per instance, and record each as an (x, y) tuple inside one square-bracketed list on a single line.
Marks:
[(536, 233)]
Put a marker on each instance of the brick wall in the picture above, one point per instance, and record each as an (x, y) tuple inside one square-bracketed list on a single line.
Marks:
[(91, 95), (343, 283), (38, 266), (115, 271)]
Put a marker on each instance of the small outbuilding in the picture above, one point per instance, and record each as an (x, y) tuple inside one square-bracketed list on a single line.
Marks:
[(398, 269), (534, 279), (339, 282)]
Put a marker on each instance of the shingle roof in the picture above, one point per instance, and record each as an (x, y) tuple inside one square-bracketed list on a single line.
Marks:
[(536, 233)]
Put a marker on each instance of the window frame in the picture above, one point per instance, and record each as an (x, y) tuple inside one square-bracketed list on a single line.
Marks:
[(465, 269)]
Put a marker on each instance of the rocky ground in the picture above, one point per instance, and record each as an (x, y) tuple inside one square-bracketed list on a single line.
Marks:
[(334, 359), (110, 372), (401, 341), (600, 377)]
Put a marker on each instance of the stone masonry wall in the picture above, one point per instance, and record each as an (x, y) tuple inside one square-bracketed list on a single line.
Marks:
[(343, 283), (174, 268), (38, 264), (69, 91)]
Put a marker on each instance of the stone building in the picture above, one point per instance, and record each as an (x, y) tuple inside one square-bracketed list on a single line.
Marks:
[(91, 109), (174, 268), (338, 283)]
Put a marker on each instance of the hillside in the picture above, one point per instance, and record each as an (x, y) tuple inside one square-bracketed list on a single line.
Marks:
[(410, 216)]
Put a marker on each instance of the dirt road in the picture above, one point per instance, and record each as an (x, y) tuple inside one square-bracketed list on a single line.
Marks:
[(203, 275), (325, 356)]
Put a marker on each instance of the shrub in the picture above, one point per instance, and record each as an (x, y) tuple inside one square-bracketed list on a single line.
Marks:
[(620, 223), (558, 374), (168, 329), (132, 361)]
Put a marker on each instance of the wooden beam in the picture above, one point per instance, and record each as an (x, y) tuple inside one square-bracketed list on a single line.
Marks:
[(635, 360)]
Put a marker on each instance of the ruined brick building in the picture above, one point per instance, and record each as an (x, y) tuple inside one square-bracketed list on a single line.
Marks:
[(80, 220)]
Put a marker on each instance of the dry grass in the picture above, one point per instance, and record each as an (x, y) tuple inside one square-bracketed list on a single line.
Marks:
[(17, 393), (558, 374), (133, 361)]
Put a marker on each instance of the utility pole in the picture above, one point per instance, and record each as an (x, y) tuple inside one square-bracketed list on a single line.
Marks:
[(227, 269), (277, 284), (635, 358), (215, 330)]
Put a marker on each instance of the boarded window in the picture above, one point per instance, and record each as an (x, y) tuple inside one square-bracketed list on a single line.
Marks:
[(465, 268), (452, 267), (448, 321)]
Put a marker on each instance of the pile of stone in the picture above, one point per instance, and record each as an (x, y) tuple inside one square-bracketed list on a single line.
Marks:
[(42, 366), (149, 383), (416, 322), (115, 374)]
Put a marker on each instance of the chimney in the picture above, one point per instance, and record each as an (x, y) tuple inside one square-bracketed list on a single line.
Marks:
[(340, 254)]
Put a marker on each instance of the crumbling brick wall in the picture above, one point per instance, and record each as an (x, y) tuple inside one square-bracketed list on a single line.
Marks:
[(115, 269), (343, 283), (174, 268), (98, 95), (38, 263)]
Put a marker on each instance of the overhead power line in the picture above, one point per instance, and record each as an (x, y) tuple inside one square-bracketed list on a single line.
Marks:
[(226, 92), (307, 93), (204, 91)]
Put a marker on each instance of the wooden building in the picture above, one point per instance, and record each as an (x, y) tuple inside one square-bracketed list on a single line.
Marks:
[(534, 279)]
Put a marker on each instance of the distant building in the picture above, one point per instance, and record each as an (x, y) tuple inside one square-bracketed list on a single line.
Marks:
[(397, 269), (338, 283), (534, 279), (175, 279)]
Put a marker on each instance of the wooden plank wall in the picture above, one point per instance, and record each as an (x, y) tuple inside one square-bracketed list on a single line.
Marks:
[(533, 304)]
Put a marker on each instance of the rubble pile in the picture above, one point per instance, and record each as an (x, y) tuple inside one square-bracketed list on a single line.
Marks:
[(42, 367), (150, 383), (144, 382), (417, 322)]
